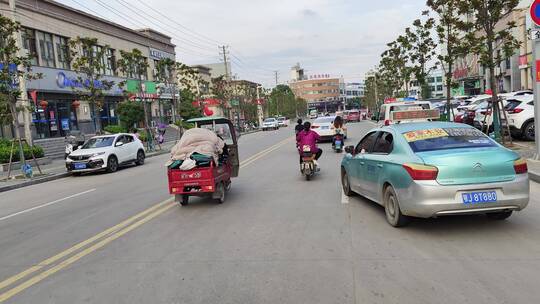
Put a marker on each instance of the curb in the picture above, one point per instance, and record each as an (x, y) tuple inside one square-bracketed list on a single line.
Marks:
[(60, 175), (534, 177)]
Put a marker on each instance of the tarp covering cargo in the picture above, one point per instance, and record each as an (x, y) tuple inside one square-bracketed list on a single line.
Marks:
[(199, 141)]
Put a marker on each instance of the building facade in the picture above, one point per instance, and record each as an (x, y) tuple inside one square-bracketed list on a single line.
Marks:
[(354, 90), (320, 91), (47, 27), (435, 82)]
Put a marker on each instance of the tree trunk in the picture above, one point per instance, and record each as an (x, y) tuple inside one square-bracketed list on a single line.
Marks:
[(13, 109), (97, 118)]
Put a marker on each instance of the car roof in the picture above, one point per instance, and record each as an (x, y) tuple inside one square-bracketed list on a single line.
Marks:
[(110, 135), (414, 126), (209, 118)]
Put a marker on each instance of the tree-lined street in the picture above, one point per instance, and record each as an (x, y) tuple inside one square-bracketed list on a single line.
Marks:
[(278, 239)]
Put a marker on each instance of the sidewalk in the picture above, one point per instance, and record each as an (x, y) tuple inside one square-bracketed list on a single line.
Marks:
[(53, 171)]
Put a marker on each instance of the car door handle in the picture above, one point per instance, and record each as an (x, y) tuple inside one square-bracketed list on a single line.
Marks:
[(380, 165), (362, 163)]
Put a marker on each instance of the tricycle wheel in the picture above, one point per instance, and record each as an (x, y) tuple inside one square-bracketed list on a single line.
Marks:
[(219, 195), (228, 185), (183, 199)]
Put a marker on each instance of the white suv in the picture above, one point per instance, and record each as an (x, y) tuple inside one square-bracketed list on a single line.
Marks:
[(270, 124), (521, 116), (106, 152)]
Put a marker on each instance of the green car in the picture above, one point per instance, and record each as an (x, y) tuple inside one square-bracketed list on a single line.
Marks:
[(432, 169)]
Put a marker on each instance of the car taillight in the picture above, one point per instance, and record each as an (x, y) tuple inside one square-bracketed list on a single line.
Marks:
[(520, 166), (471, 113), (387, 122), (515, 111), (421, 172), (314, 127)]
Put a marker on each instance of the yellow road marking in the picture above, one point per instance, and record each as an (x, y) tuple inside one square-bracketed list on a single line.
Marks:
[(78, 246), (110, 235), (10, 293)]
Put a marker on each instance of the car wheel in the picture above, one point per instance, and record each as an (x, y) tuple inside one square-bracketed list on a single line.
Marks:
[(500, 216), (140, 158), (183, 199), (528, 131), (392, 210), (112, 164), (345, 183), (219, 195), (308, 177)]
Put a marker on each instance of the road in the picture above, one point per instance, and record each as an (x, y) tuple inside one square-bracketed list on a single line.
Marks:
[(118, 238)]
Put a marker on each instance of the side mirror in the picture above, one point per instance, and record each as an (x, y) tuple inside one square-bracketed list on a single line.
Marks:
[(119, 144), (349, 149), (79, 147)]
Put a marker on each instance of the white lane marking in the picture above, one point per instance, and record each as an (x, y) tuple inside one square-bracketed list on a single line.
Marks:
[(344, 198), (45, 205)]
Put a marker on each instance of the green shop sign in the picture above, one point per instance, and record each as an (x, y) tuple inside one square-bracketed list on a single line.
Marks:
[(148, 87)]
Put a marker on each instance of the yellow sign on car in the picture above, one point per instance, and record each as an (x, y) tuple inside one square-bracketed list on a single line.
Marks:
[(424, 134)]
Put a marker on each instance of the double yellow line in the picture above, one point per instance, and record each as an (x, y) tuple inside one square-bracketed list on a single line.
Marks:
[(84, 248)]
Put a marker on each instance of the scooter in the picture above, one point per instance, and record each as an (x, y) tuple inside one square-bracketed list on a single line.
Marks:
[(308, 167), (338, 143), (72, 144)]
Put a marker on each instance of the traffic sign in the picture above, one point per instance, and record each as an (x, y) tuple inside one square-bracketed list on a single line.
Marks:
[(535, 12)]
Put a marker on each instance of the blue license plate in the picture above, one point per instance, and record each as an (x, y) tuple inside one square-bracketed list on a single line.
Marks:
[(324, 128), (80, 166), (479, 197), (338, 143)]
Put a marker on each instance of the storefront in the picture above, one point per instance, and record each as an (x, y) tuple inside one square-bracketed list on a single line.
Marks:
[(58, 109)]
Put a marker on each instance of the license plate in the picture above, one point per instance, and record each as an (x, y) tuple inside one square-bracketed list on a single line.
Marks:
[(324, 128), (80, 166), (479, 197), (338, 142)]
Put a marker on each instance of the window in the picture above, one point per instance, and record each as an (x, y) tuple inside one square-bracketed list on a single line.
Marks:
[(46, 48), (432, 88), (439, 88), (29, 44), (99, 142), (366, 143), (439, 78), (448, 138), (507, 63), (62, 52), (110, 63), (128, 139), (384, 144), (431, 80)]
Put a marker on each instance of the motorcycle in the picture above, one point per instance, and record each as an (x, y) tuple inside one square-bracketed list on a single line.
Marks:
[(338, 143), (73, 141), (308, 167)]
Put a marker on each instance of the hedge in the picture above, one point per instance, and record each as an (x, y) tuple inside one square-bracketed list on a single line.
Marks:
[(115, 129), (5, 151)]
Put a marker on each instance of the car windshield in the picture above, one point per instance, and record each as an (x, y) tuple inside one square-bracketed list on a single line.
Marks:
[(99, 142), (222, 130), (323, 120), (270, 120), (446, 139), (281, 119)]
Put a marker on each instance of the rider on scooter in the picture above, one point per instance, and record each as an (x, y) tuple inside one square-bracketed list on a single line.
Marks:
[(338, 128), (308, 137)]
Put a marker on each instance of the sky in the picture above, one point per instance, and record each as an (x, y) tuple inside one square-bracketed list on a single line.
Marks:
[(336, 37)]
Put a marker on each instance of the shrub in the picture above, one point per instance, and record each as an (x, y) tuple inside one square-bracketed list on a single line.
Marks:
[(141, 133), (5, 150), (115, 129), (184, 124), (130, 114)]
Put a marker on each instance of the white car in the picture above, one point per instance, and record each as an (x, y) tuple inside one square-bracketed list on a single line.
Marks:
[(270, 124), (520, 111), (324, 126), (283, 121), (106, 152), (472, 103), (480, 119)]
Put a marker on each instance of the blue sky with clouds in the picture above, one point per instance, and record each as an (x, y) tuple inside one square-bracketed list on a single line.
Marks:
[(337, 37)]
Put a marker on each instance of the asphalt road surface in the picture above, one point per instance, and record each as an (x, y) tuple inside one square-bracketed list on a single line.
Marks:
[(118, 238)]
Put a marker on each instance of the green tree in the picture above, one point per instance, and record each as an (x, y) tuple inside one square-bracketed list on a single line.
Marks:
[(449, 31), (421, 45), (13, 68), (135, 66), (131, 113), (354, 103), (186, 108), (491, 40), (282, 102), (395, 63), (88, 60)]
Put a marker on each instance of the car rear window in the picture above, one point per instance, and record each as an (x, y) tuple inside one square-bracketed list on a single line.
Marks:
[(512, 104), (446, 139), (324, 120)]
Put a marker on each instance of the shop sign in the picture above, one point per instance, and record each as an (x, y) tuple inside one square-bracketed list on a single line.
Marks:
[(523, 62), (159, 54), (537, 70), (235, 102)]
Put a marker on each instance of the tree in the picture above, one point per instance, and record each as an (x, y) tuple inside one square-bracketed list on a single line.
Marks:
[(395, 64), (88, 60), (282, 102), (134, 65), (490, 37), (421, 45), (13, 68), (166, 74), (449, 30), (186, 109), (354, 103), (131, 114)]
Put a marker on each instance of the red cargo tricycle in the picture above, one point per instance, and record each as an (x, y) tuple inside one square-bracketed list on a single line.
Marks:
[(211, 181)]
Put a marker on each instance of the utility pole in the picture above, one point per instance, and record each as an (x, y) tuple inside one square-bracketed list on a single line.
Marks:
[(224, 53), (259, 107), (278, 97), (22, 80)]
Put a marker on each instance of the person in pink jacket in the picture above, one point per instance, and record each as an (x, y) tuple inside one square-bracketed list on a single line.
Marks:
[(308, 137)]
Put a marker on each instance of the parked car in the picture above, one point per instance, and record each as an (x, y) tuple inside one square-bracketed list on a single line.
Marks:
[(283, 121), (520, 111), (483, 116), (270, 124), (468, 111), (324, 126), (434, 169), (106, 152), (353, 115)]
